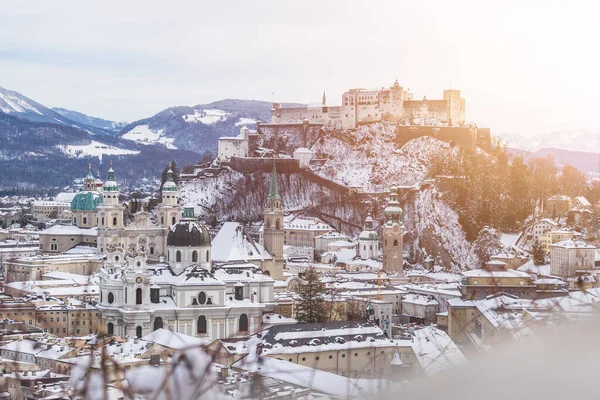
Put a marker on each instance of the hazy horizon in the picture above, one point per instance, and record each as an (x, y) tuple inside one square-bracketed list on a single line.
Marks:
[(130, 61)]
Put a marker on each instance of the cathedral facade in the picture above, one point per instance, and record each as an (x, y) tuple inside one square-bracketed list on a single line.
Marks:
[(186, 294)]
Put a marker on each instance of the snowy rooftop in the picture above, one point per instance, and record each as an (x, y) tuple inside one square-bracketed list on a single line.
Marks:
[(435, 351), (233, 244), (69, 230), (484, 273), (419, 299), (174, 340), (573, 244)]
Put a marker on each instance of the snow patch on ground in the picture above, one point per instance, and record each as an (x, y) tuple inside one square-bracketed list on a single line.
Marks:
[(143, 134), (246, 121), (94, 149), (207, 117), (375, 162)]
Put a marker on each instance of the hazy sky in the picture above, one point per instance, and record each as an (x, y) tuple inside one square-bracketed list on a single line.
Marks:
[(522, 66)]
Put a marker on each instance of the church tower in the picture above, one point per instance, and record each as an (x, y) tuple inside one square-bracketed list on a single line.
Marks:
[(368, 242), (393, 233), (273, 229), (169, 211), (110, 212)]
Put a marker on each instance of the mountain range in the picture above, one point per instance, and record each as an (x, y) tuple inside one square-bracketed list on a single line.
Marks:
[(44, 147), (49, 147)]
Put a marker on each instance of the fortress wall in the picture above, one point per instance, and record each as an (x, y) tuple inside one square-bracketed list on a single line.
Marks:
[(466, 137)]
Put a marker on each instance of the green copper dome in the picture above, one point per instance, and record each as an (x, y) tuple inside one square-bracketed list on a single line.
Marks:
[(86, 201)]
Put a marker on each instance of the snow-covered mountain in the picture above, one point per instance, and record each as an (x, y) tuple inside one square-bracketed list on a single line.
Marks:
[(580, 140), (197, 128), (42, 154), (17, 105), (85, 119)]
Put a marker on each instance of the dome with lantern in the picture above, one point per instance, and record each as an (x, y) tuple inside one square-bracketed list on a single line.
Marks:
[(188, 232), (393, 212)]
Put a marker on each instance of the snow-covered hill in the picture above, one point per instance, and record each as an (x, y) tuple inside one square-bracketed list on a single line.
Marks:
[(111, 126), (20, 106), (374, 162), (197, 128)]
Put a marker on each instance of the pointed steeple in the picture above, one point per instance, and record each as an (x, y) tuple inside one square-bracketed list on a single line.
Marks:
[(169, 185), (111, 184), (90, 174), (324, 99), (273, 187)]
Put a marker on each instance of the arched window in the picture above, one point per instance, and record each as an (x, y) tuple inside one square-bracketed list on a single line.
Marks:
[(162, 220), (178, 256), (110, 328), (102, 220), (207, 256), (173, 221), (111, 298), (138, 296), (243, 326), (138, 332), (158, 323), (201, 298), (277, 224), (84, 220), (395, 243), (114, 221), (268, 224), (202, 324), (194, 256)]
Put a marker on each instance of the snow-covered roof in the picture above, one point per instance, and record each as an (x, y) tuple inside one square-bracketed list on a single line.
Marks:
[(320, 381), (69, 230), (233, 244), (435, 351), (65, 197), (583, 201), (305, 223), (419, 299), (484, 273), (174, 340), (573, 244)]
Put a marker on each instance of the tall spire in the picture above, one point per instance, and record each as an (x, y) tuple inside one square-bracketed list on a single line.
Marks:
[(90, 174), (273, 188), (324, 99), (169, 185)]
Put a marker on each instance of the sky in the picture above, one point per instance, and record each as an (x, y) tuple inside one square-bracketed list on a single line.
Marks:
[(524, 67)]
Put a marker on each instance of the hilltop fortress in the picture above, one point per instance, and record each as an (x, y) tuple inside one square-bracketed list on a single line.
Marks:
[(363, 106)]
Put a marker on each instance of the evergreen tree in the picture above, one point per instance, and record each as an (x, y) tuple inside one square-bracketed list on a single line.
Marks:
[(573, 182), (311, 307), (539, 258)]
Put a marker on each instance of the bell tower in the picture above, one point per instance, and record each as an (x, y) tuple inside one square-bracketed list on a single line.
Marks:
[(169, 211), (273, 228), (110, 212), (393, 234)]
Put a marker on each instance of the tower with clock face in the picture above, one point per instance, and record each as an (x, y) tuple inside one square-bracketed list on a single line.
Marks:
[(136, 283), (393, 234)]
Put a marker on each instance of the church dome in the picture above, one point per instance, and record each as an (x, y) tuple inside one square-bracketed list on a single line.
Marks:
[(188, 232), (86, 201)]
